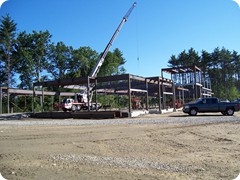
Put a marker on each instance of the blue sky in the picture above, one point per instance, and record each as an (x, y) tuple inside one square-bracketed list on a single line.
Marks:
[(155, 30)]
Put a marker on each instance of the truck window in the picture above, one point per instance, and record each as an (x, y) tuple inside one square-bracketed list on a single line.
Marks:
[(209, 101), (214, 101)]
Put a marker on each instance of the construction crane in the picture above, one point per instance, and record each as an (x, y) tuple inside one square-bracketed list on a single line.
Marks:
[(81, 99), (104, 54)]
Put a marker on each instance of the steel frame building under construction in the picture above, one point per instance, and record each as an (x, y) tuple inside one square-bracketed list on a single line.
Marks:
[(185, 83), (191, 83), (126, 84)]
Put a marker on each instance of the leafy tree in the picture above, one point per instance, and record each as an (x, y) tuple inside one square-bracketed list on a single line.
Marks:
[(32, 52), (120, 61), (60, 57), (84, 59), (25, 62), (113, 64)]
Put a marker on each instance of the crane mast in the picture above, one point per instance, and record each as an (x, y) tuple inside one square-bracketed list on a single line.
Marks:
[(104, 54)]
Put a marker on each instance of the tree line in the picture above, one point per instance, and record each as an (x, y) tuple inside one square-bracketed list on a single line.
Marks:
[(26, 58), (29, 57), (222, 66)]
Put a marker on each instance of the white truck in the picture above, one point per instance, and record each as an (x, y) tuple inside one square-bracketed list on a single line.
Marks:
[(69, 104)]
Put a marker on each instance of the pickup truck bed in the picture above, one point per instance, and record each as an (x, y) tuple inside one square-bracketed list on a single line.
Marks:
[(211, 105)]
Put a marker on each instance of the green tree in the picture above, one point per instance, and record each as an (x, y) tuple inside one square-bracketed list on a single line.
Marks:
[(174, 62), (113, 64), (205, 61), (60, 57), (221, 66), (189, 58), (120, 61), (7, 41), (183, 58), (193, 58), (236, 64), (2, 73), (83, 61), (32, 53)]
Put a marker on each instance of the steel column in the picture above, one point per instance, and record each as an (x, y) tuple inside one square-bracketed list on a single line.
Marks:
[(8, 101), (34, 100), (174, 96), (129, 97), (96, 94), (146, 94), (1, 100), (42, 99), (88, 92), (159, 97), (195, 84), (163, 90)]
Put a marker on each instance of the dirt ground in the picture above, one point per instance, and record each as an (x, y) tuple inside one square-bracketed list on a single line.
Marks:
[(122, 151)]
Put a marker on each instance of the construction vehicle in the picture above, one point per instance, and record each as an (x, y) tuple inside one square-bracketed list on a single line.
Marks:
[(81, 99), (78, 103)]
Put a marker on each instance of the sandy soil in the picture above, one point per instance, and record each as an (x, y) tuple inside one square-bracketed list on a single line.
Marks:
[(122, 151)]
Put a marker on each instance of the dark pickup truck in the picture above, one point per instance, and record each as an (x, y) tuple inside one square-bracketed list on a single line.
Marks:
[(211, 105)]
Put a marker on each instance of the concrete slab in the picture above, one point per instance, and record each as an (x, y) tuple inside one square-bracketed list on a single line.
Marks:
[(137, 113), (81, 115)]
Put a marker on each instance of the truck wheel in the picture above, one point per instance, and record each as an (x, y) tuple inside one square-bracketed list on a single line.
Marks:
[(193, 112), (74, 108), (230, 111), (224, 113), (78, 108)]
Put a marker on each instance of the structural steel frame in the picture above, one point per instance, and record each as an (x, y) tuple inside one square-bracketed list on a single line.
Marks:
[(125, 84), (190, 76)]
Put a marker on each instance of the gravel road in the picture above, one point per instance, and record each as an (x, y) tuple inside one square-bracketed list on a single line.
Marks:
[(176, 118), (153, 146)]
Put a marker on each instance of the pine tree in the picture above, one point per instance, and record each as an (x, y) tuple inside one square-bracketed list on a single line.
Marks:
[(7, 41)]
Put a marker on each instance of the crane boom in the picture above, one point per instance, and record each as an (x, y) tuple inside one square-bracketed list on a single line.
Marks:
[(104, 54)]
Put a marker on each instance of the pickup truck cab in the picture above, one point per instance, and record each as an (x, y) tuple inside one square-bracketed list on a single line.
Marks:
[(211, 105)]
